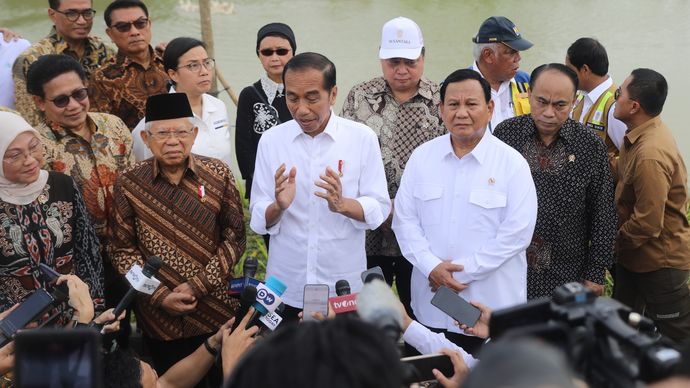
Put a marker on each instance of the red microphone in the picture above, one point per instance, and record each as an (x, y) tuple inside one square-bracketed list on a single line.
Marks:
[(345, 302)]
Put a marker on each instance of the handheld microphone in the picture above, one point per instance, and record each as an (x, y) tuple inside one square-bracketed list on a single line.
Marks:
[(251, 264), (235, 287), (271, 320), (378, 305), (141, 280), (267, 298), (247, 298), (346, 302)]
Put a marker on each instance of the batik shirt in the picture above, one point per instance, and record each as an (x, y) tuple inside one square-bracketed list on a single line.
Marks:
[(122, 86), (96, 53), (196, 227), (54, 229), (576, 220), (400, 128), (93, 166)]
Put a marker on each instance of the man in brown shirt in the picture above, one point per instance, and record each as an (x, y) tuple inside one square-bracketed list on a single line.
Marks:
[(653, 244), (185, 209), (123, 84), (402, 108)]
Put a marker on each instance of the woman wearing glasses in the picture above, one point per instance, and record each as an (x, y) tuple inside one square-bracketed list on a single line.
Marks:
[(191, 71), (43, 219), (261, 105)]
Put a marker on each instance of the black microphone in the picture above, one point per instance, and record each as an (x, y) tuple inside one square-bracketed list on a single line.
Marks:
[(342, 287), (251, 264), (151, 267), (247, 299)]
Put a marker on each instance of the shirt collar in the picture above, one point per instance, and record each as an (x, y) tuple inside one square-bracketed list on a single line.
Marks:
[(191, 167), (124, 61), (59, 131), (271, 89), (475, 67), (479, 151), (568, 132), (594, 95), (631, 135), (331, 129), (61, 44)]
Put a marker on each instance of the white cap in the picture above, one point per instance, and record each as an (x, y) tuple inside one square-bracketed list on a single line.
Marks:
[(401, 38)]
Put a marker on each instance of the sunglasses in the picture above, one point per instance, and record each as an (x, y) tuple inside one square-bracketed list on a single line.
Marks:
[(62, 100), (140, 24), (73, 15), (269, 52)]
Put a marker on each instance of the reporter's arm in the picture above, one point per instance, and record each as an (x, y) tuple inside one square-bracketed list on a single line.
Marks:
[(236, 343), (79, 298)]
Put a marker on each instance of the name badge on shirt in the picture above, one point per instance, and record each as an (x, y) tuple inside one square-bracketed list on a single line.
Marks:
[(220, 124)]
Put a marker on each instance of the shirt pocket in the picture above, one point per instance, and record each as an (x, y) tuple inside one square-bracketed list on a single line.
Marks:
[(488, 208), (429, 199)]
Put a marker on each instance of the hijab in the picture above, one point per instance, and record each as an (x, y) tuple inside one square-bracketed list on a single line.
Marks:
[(11, 126)]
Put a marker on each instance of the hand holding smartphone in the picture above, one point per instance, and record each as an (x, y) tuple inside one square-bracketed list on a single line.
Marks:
[(315, 300), (457, 308)]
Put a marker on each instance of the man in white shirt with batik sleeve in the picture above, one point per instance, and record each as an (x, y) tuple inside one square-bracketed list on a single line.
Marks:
[(319, 183), (465, 211)]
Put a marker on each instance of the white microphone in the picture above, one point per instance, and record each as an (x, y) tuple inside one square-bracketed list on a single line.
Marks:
[(378, 305)]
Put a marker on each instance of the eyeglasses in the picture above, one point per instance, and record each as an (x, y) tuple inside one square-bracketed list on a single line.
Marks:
[(181, 134), (195, 67), (269, 52), (140, 24), (62, 100), (617, 93), (18, 158), (395, 62), (73, 15)]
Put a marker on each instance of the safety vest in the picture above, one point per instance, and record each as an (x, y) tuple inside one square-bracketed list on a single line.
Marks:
[(519, 89), (597, 117)]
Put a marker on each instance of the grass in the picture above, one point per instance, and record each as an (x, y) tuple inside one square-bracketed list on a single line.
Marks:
[(255, 243)]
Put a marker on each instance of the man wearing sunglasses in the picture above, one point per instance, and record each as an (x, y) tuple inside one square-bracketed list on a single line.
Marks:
[(496, 52), (402, 107), (93, 148), (653, 242), (122, 85), (72, 22)]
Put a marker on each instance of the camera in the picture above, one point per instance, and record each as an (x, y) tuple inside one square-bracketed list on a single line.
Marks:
[(607, 343)]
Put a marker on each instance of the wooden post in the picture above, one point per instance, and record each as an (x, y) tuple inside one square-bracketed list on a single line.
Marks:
[(207, 33)]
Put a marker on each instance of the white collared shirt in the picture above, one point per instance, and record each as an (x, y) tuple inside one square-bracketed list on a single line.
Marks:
[(428, 342), (213, 139), (9, 51), (503, 104), (311, 244), (478, 211), (615, 128)]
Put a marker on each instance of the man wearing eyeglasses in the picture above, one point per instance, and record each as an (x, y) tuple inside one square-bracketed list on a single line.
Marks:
[(72, 21), (186, 209), (576, 223), (402, 107), (121, 85), (496, 51)]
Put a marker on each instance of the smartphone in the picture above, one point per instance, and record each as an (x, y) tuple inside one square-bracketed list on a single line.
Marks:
[(420, 367), (58, 357), (315, 300), (457, 308), (50, 276), (372, 273), (30, 309)]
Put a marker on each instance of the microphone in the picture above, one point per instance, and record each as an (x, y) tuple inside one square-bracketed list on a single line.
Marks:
[(271, 321), (251, 265), (267, 298), (246, 300), (378, 305), (141, 280), (346, 302)]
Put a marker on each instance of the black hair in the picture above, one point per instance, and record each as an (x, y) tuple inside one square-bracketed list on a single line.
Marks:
[(54, 4), (649, 89), (122, 4), (463, 75), (590, 52), (46, 68), (177, 48), (314, 61), (338, 353), (559, 67), (121, 369)]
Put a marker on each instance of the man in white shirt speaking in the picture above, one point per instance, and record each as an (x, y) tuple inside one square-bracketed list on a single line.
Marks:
[(465, 211), (318, 185)]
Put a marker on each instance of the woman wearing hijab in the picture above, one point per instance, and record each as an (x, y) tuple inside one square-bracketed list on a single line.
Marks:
[(191, 71), (43, 219), (262, 106)]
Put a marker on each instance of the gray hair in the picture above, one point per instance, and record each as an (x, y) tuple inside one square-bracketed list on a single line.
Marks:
[(192, 120), (479, 47)]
